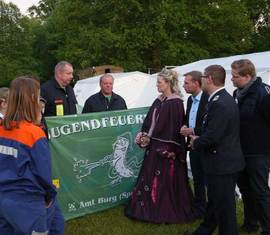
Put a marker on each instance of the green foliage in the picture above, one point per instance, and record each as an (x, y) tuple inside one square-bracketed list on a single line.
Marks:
[(43, 9), (259, 13), (15, 44), (135, 34), (140, 34)]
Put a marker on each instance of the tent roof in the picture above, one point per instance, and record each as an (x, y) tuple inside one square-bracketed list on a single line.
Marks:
[(261, 61), (139, 89)]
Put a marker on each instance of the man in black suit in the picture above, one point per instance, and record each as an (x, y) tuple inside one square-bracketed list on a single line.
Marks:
[(223, 158), (195, 109)]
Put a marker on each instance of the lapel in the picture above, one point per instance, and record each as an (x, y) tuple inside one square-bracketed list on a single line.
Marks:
[(189, 103), (201, 108), (202, 105)]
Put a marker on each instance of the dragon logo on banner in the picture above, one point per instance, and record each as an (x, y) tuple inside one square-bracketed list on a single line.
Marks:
[(119, 166)]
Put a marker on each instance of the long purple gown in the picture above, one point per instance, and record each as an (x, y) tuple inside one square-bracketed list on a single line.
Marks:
[(162, 193)]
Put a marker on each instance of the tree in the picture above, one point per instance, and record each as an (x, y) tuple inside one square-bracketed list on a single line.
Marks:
[(259, 13), (139, 34), (43, 9), (135, 34), (15, 44)]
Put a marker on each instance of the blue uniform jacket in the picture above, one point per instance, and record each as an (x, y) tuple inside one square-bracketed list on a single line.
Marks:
[(53, 93), (25, 162), (220, 139)]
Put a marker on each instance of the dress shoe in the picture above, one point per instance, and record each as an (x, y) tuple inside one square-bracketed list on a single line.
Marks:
[(249, 229)]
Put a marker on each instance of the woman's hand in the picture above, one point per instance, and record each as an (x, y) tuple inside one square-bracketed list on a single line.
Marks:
[(138, 138), (142, 139), (145, 140)]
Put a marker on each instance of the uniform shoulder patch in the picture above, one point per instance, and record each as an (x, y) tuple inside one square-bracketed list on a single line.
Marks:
[(216, 98), (267, 88)]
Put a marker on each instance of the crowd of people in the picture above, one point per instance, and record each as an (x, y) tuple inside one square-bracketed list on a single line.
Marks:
[(227, 137)]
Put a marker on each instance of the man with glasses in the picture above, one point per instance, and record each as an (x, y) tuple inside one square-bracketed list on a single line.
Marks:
[(222, 156), (253, 99)]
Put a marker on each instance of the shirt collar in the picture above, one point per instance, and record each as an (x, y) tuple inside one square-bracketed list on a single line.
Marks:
[(197, 97), (57, 85), (103, 96), (215, 92)]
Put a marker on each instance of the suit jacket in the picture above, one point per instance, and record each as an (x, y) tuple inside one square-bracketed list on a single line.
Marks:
[(200, 112), (220, 139)]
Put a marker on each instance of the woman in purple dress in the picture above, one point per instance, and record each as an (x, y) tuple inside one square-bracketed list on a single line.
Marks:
[(162, 193)]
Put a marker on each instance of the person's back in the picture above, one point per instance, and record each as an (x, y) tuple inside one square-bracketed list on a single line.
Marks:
[(17, 148), (26, 189)]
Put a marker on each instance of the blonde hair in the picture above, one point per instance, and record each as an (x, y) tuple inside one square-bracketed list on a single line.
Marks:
[(23, 102), (171, 76)]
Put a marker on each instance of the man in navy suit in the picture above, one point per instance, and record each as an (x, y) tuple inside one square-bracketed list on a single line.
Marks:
[(222, 158), (195, 109)]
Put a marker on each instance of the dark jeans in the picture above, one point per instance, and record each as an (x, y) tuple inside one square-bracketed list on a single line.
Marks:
[(199, 182), (221, 209), (253, 183)]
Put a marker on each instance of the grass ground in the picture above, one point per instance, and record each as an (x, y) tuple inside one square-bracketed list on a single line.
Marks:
[(113, 221)]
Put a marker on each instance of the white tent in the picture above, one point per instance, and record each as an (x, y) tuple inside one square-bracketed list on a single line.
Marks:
[(139, 89), (260, 60)]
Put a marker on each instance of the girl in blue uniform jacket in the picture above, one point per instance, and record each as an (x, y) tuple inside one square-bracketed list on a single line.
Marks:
[(26, 189)]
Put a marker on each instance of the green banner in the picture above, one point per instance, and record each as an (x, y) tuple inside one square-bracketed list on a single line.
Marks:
[(95, 159)]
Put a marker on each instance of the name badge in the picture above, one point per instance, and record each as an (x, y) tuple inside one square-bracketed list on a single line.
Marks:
[(59, 107), (56, 183)]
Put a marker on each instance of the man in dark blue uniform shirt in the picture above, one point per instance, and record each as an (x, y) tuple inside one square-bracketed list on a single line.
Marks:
[(106, 99), (222, 157), (59, 95), (252, 97), (59, 100)]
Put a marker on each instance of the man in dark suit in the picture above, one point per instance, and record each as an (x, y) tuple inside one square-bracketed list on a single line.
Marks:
[(195, 109), (252, 97), (222, 158)]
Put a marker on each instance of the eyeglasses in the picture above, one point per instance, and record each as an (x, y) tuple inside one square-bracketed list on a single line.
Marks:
[(205, 76), (235, 76)]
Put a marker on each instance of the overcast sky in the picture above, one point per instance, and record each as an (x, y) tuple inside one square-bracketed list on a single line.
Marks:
[(23, 4)]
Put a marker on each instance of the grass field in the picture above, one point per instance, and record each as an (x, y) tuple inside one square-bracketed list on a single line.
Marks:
[(113, 221)]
